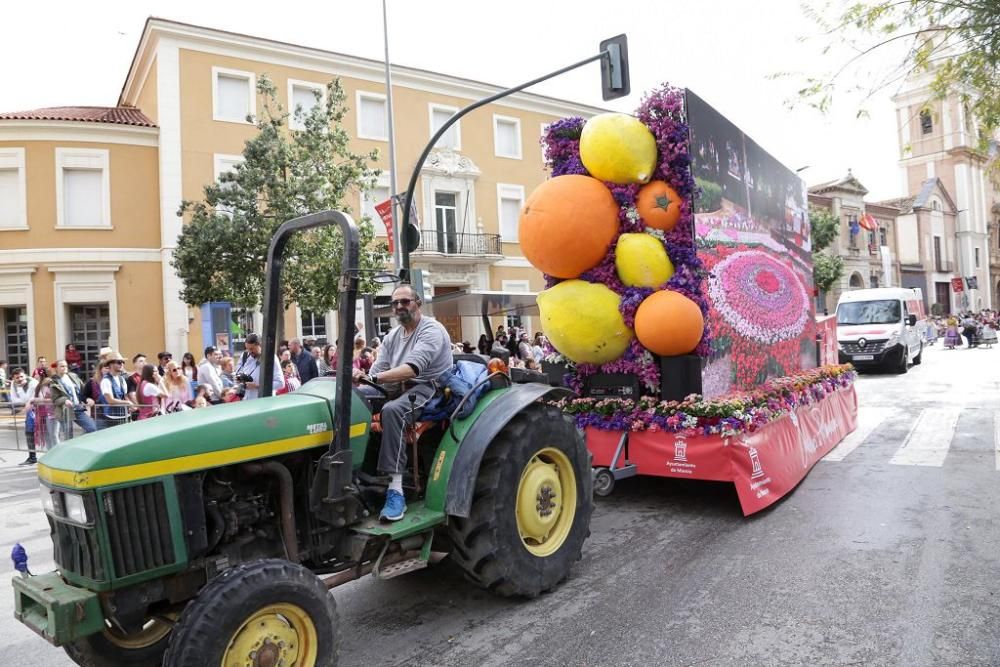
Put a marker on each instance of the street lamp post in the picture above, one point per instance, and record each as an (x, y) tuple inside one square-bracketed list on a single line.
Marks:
[(614, 84)]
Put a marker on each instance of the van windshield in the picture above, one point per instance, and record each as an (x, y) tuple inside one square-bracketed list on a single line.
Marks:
[(869, 312)]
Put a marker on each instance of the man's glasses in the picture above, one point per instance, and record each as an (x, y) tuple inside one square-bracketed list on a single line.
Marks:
[(400, 302)]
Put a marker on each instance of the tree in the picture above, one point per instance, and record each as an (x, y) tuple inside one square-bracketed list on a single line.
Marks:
[(955, 42), (221, 253), (823, 229)]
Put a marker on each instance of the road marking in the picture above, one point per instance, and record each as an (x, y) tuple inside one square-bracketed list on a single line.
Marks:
[(869, 419), (930, 437), (14, 494)]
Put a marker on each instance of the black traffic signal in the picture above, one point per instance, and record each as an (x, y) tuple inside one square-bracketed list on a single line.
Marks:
[(614, 68)]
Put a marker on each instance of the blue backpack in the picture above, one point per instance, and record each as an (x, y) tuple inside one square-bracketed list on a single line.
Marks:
[(464, 375)]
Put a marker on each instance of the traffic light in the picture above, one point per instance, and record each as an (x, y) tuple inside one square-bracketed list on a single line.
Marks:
[(614, 68)]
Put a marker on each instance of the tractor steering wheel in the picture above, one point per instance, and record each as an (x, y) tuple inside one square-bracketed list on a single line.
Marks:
[(377, 387)]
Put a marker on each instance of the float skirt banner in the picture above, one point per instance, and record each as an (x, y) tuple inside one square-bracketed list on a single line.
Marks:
[(764, 465)]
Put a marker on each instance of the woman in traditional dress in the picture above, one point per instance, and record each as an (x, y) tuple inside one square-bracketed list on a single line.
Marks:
[(952, 337)]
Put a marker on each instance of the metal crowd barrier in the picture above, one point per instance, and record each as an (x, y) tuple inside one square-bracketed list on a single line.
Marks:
[(56, 424)]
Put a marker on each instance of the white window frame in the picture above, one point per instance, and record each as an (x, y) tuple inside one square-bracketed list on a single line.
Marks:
[(431, 108), (251, 79), (292, 85), (367, 95), (223, 162), (10, 159), (82, 158), (381, 182), (507, 191), (497, 119)]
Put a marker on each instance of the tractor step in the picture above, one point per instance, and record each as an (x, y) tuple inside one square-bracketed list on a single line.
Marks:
[(401, 568), (418, 519)]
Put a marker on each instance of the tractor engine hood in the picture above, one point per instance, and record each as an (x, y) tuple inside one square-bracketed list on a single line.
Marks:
[(200, 439)]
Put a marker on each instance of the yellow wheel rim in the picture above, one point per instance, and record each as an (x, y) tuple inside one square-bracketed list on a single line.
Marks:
[(546, 502), (278, 634), (152, 631)]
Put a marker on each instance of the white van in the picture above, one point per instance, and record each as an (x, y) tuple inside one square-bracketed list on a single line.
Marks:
[(881, 327)]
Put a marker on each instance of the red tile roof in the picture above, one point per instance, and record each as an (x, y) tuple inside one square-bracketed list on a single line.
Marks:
[(113, 115)]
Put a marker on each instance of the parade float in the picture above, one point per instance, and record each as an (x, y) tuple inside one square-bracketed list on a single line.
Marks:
[(678, 301)]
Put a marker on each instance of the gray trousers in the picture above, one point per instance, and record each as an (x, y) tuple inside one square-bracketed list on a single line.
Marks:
[(392, 455)]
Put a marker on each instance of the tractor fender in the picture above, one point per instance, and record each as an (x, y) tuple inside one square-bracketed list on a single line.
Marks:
[(464, 470)]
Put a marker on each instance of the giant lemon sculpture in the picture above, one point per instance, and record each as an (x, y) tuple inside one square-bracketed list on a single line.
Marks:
[(583, 322), (567, 225), (642, 261), (618, 148)]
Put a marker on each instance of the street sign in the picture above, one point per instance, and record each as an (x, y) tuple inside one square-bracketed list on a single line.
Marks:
[(614, 68), (384, 211)]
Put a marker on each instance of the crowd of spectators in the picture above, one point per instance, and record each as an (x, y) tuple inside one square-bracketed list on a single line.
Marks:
[(53, 398)]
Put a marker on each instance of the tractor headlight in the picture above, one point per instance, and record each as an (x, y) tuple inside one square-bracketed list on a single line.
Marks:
[(75, 509), (48, 505)]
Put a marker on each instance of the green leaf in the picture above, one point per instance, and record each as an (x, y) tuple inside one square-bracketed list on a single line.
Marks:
[(222, 249)]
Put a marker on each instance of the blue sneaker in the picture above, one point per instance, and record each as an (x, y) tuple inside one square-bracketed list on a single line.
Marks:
[(395, 506)]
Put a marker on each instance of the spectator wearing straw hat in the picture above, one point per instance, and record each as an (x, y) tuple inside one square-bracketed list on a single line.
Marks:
[(114, 392)]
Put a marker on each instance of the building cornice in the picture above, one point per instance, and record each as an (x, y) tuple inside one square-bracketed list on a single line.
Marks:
[(274, 52), (67, 130), (51, 256)]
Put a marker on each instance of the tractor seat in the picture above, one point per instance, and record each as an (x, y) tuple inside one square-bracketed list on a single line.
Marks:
[(421, 427)]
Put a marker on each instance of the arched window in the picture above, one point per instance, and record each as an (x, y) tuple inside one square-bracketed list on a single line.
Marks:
[(857, 282)]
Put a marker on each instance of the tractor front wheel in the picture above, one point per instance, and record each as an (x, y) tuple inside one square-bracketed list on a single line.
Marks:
[(268, 612), (531, 506), (113, 648)]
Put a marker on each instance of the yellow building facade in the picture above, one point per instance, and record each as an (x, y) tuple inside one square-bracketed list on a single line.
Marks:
[(88, 212)]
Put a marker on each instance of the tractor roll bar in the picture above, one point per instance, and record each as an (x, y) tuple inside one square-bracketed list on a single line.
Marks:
[(346, 303)]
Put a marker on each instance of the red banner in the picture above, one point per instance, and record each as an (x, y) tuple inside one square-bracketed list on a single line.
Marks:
[(384, 211), (957, 285), (764, 465)]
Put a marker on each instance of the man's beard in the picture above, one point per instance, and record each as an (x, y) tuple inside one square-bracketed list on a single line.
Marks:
[(404, 317)]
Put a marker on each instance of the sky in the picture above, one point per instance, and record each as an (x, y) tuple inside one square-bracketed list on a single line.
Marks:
[(724, 50)]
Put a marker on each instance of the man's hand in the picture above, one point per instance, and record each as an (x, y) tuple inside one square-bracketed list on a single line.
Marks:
[(357, 374)]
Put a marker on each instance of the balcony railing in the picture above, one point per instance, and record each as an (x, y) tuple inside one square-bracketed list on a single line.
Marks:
[(433, 240)]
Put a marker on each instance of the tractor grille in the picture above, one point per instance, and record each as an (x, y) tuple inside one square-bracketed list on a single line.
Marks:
[(76, 549), (871, 347), (138, 528)]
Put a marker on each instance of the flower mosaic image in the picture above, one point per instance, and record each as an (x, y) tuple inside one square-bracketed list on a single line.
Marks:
[(759, 296), (750, 240)]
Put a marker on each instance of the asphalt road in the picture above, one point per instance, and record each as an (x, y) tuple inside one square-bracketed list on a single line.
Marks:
[(887, 554)]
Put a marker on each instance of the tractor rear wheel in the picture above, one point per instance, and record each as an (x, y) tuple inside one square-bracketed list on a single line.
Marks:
[(531, 506), (268, 612)]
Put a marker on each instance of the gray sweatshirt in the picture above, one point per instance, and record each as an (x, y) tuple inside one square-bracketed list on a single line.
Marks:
[(427, 349)]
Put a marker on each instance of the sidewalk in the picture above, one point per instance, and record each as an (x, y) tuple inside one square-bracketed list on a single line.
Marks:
[(11, 440)]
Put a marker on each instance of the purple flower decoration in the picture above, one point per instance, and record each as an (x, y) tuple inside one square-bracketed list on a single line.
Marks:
[(662, 111)]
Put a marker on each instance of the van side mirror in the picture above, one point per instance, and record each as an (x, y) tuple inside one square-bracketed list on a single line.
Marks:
[(912, 320)]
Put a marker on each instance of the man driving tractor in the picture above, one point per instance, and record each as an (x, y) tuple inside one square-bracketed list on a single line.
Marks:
[(412, 357)]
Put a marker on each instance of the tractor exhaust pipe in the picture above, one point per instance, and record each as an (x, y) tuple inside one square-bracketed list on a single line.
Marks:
[(285, 500)]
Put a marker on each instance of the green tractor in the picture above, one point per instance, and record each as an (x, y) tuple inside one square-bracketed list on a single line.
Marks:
[(212, 537)]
